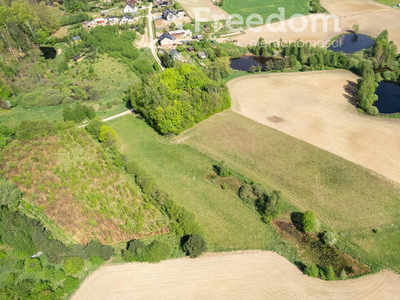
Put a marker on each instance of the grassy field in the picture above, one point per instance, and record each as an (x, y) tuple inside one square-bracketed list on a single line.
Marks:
[(389, 2), (345, 196), (181, 171), (263, 8)]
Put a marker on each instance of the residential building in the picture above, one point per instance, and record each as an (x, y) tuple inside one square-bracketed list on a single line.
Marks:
[(126, 19), (169, 15), (130, 7), (166, 40), (161, 3), (180, 34)]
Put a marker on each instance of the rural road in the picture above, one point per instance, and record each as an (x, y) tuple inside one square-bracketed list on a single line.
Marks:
[(151, 39), (231, 275), (111, 118)]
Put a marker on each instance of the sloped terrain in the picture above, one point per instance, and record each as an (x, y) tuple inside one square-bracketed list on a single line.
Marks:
[(72, 180)]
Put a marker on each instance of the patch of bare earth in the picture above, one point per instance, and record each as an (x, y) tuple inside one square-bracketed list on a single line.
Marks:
[(316, 107), (234, 275)]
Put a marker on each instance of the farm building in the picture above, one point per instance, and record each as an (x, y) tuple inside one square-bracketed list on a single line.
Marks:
[(180, 34), (166, 40), (130, 7)]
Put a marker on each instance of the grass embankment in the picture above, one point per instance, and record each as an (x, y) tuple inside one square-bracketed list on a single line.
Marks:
[(181, 171), (360, 206), (246, 8)]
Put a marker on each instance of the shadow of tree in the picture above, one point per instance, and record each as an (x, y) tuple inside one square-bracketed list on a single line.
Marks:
[(295, 218), (351, 90)]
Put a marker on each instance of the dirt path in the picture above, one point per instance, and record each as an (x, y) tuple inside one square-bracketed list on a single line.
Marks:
[(372, 17), (151, 40), (234, 275), (316, 109)]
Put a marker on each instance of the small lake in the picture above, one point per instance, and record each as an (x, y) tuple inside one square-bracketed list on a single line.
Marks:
[(389, 98), (243, 63), (350, 43), (48, 52)]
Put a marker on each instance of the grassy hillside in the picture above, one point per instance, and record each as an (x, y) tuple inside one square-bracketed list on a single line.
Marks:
[(246, 8), (361, 206), (182, 172), (73, 181)]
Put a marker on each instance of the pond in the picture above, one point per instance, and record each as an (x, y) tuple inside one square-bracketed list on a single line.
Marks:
[(389, 98), (243, 63), (48, 52), (350, 43)]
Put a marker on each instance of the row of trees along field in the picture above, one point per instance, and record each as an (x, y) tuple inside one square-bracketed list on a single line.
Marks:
[(380, 62), (178, 98)]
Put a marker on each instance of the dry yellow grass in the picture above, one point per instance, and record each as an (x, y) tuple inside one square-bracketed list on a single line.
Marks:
[(235, 275)]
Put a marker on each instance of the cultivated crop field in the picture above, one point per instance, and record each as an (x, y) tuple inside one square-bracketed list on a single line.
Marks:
[(234, 275), (266, 8), (316, 109), (348, 198)]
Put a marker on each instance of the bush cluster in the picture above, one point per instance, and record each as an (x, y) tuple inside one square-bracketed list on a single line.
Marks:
[(268, 204), (78, 113), (309, 221), (154, 252)]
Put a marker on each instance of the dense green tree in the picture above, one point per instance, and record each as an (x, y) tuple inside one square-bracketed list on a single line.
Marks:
[(312, 270), (309, 221), (73, 265), (195, 245), (10, 194), (329, 273), (107, 136), (329, 238), (33, 265), (95, 248)]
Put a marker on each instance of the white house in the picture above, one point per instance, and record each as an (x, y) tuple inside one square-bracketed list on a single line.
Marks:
[(126, 20), (130, 7)]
